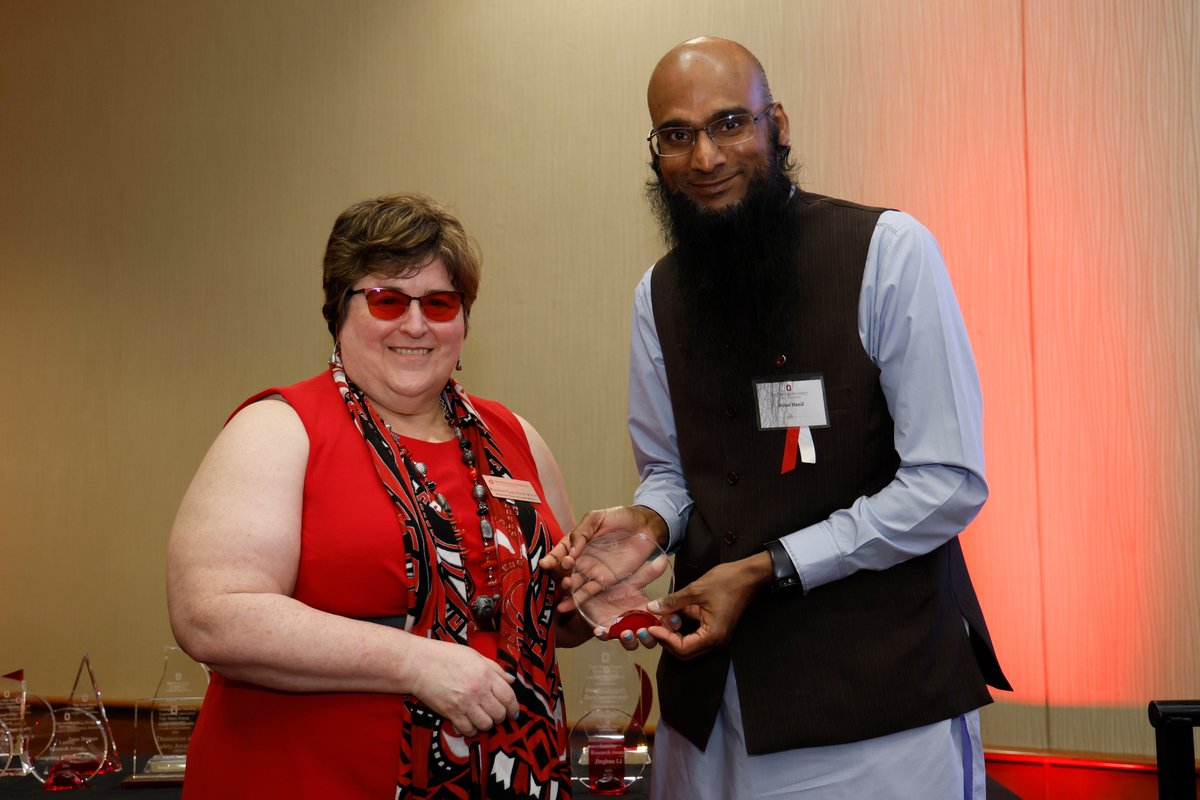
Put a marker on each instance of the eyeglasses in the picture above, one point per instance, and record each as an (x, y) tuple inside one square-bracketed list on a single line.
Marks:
[(724, 132), (393, 304)]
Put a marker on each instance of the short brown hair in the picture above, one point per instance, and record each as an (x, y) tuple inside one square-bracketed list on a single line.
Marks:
[(397, 235)]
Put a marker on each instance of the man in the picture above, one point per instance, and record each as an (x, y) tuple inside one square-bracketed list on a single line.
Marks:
[(806, 415)]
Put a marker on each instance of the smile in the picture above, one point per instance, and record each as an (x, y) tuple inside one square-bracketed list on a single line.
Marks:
[(714, 187), (411, 351)]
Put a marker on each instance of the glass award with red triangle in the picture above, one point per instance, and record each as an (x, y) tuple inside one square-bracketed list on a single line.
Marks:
[(615, 578), (609, 753), (85, 696)]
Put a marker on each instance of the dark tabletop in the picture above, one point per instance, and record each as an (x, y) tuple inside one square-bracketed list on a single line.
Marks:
[(110, 786)]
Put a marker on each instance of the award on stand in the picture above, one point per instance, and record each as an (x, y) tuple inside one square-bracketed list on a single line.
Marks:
[(29, 722), (609, 752), (162, 725), (85, 695), (76, 753), (614, 579)]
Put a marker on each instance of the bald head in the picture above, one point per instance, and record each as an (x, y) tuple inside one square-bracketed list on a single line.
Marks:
[(705, 62)]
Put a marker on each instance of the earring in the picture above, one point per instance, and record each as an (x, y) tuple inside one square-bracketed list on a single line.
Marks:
[(458, 366)]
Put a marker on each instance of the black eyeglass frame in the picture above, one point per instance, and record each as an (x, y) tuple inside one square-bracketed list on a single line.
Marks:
[(754, 118)]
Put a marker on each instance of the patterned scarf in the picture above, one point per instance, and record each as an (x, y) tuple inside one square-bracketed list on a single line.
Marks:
[(519, 758)]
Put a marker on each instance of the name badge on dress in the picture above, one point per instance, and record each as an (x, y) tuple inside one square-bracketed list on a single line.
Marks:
[(798, 405), (511, 489)]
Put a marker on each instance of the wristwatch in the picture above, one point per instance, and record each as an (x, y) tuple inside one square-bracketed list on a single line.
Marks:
[(784, 580)]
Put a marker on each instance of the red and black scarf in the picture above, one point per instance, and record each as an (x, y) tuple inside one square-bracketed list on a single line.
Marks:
[(522, 758)]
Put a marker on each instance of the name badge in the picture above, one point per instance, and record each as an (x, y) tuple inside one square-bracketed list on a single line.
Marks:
[(792, 403), (511, 489)]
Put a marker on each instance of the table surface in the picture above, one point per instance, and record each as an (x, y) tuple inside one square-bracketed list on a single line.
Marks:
[(110, 785)]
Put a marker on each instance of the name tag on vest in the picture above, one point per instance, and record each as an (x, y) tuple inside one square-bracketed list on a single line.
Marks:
[(797, 402)]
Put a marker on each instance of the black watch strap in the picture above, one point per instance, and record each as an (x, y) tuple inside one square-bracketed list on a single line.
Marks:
[(784, 579)]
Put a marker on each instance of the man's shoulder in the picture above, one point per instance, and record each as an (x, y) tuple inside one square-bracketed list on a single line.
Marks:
[(816, 202), (890, 223)]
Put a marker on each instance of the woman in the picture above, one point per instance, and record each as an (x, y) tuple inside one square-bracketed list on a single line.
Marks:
[(356, 558)]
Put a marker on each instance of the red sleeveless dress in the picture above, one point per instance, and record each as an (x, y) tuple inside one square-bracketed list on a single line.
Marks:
[(253, 742)]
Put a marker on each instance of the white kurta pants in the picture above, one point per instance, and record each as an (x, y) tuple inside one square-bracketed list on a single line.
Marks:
[(942, 760)]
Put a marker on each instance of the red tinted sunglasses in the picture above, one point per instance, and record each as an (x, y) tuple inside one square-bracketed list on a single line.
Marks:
[(394, 304)]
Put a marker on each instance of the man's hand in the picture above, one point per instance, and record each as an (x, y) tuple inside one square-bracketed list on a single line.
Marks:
[(635, 519), (716, 600)]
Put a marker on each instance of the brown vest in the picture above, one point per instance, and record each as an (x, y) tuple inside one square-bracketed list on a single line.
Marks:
[(874, 653)]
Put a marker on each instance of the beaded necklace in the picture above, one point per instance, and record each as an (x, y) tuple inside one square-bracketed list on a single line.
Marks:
[(484, 605)]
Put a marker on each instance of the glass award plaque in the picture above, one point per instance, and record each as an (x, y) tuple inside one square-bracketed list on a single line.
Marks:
[(85, 695), (608, 744), (615, 576), (76, 753), (162, 725), (29, 722)]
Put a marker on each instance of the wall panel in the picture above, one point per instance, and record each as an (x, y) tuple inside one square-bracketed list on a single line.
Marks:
[(1115, 201)]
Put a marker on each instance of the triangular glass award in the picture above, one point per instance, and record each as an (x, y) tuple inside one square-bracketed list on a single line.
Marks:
[(85, 695)]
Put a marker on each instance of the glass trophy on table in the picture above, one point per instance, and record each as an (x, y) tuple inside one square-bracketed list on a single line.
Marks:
[(85, 696), (28, 726), (162, 725), (80, 745), (614, 579), (77, 751)]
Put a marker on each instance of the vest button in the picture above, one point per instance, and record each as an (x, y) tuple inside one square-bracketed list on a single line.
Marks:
[(732, 478), (780, 360), (730, 537)]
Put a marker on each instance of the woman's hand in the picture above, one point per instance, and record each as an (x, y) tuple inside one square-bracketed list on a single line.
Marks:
[(470, 691)]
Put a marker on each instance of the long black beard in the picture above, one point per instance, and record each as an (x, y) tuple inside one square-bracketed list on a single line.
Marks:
[(736, 265)]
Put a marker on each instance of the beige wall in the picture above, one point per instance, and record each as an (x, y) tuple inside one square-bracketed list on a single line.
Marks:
[(170, 170)]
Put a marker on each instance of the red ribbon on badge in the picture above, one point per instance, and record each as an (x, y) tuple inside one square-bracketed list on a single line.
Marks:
[(791, 446)]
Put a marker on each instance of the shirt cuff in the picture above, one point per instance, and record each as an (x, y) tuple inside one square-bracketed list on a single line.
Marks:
[(815, 554), (673, 512)]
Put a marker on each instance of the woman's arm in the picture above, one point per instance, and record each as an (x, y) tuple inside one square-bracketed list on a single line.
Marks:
[(231, 567)]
